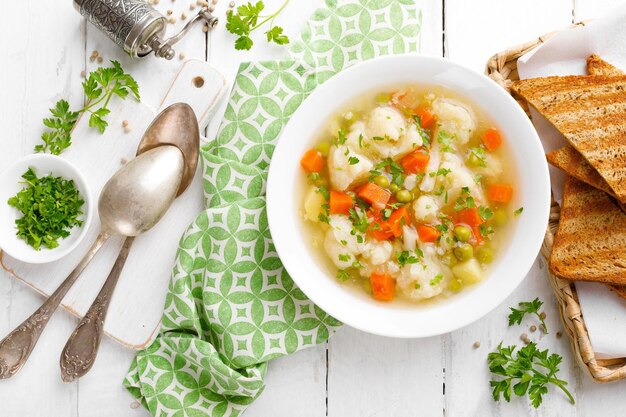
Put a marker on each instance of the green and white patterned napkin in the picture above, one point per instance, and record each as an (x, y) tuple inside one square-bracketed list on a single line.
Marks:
[(231, 306)]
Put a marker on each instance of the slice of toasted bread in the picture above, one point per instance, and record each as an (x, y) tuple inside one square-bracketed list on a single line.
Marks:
[(590, 243), (572, 162), (590, 111), (598, 66), (620, 290)]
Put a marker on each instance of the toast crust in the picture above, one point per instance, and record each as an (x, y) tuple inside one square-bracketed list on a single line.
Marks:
[(590, 111), (590, 243)]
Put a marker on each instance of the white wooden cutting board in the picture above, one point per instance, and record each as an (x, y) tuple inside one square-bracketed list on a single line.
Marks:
[(136, 308)]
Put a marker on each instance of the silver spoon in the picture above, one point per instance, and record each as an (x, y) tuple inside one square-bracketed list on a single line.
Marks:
[(131, 202), (176, 125)]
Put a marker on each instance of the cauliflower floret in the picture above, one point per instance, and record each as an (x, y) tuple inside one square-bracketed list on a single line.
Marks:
[(386, 122), (458, 178), (428, 183), (377, 253), (341, 246), (353, 138), (493, 168), (409, 238), (425, 279), (342, 171), (454, 118), (425, 209)]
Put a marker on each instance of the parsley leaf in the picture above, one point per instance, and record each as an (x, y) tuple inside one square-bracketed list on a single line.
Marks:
[(50, 208), (353, 160), (99, 86), (343, 275), (518, 211), (485, 213), (525, 371), (445, 140), (246, 20), (405, 257), (480, 156), (436, 280), (441, 171), (527, 307)]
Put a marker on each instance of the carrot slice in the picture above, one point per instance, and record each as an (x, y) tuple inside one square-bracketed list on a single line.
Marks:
[(427, 234), (376, 195), (500, 193), (415, 162), (470, 217), (492, 139), (427, 120), (399, 218), (339, 203), (383, 286), (312, 161)]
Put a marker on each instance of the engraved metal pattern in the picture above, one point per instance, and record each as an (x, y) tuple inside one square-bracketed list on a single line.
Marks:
[(81, 349), (116, 18)]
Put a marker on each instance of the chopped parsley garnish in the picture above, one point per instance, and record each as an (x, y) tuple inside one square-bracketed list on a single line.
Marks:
[(439, 190), (417, 286), (353, 160), (314, 176), (324, 192), (343, 275), (436, 280), (445, 140), (395, 169), (378, 138), (462, 203), (341, 137), (479, 153), (424, 133), (405, 257), (441, 171), (360, 141), (387, 213), (518, 211), (344, 257), (485, 213), (343, 242), (359, 222), (50, 208), (485, 230), (324, 216)]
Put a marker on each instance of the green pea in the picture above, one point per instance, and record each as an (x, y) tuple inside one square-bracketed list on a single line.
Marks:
[(383, 98), (500, 217), (394, 188), (484, 255), (462, 233), (404, 196), (381, 181), (464, 252), (323, 148), (455, 285), (474, 160)]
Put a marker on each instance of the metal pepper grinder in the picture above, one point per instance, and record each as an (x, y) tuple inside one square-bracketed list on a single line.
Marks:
[(136, 26)]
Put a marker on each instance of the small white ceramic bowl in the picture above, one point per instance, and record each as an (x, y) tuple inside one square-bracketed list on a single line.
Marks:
[(360, 310), (11, 182)]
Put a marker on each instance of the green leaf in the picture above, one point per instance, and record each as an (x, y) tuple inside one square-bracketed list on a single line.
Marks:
[(243, 43), (275, 35)]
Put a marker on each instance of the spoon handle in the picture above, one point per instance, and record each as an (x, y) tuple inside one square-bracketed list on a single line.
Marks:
[(16, 347), (79, 353)]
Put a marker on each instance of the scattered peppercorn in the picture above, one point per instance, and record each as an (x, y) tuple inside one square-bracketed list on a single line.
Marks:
[(533, 328), (476, 345)]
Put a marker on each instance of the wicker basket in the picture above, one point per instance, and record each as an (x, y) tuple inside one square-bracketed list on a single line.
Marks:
[(502, 68)]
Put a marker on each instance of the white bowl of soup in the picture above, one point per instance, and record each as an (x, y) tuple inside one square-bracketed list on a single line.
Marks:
[(408, 196)]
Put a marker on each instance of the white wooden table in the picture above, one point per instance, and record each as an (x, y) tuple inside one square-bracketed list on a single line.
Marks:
[(47, 45)]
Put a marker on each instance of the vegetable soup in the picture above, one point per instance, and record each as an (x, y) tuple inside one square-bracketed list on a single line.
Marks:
[(409, 193)]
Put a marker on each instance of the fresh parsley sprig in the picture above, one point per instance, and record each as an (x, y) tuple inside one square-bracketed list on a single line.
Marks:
[(246, 20), (99, 87), (527, 307), (527, 370)]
